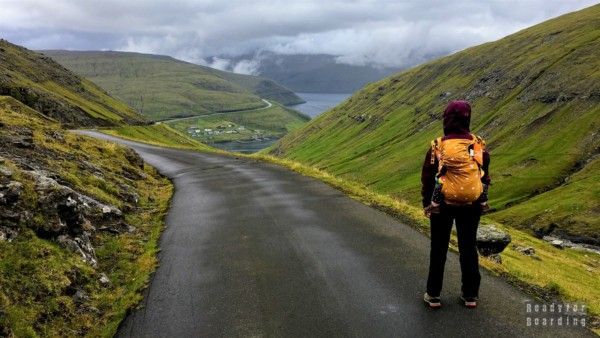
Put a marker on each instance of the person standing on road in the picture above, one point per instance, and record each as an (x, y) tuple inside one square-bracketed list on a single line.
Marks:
[(455, 181)]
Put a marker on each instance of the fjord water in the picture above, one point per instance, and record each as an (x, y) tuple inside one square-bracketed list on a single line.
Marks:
[(247, 147), (315, 105), (318, 103)]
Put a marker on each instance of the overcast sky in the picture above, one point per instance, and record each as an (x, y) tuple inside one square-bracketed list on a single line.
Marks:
[(393, 33)]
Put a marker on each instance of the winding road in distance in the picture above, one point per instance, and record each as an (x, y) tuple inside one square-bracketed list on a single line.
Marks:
[(251, 249), (178, 119)]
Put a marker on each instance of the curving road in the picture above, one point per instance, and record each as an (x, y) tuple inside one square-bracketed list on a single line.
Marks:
[(251, 249), (178, 119)]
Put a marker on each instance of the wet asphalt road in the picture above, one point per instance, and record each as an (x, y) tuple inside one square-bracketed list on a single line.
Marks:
[(251, 249)]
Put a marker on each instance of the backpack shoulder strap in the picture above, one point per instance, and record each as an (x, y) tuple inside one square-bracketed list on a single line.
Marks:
[(479, 148), (432, 152), (478, 139), (435, 150)]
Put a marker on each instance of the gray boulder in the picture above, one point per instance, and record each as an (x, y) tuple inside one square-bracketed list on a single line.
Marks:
[(491, 240), (46, 186), (10, 193), (557, 243), (128, 194), (495, 258), (80, 297), (104, 280), (133, 158), (561, 243), (4, 171), (25, 142), (527, 251), (80, 245), (7, 234), (133, 174), (69, 215)]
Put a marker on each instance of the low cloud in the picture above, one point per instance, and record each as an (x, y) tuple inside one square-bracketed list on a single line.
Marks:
[(376, 32), (218, 63), (248, 67)]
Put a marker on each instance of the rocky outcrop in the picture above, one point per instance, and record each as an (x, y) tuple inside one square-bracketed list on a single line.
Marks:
[(10, 193), (525, 250), (33, 194), (7, 234), (70, 218), (70, 215), (64, 199), (134, 159), (561, 243)]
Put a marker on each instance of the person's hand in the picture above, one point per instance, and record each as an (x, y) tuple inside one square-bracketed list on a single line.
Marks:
[(427, 211), (485, 207)]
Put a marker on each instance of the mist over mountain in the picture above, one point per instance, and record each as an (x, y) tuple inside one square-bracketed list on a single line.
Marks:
[(307, 73)]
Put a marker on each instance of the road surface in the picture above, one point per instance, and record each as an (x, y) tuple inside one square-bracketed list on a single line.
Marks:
[(251, 249)]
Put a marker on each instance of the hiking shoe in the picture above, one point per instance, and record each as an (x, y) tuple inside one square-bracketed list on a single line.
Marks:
[(432, 302), (470, 302)]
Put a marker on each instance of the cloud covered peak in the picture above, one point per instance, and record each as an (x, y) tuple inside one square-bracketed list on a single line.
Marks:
[(374, 32)]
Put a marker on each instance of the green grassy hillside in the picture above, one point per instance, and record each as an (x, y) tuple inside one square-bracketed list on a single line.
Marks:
[(536, 100), (46, 288), (162, 87), (46, 86), (79, 218)]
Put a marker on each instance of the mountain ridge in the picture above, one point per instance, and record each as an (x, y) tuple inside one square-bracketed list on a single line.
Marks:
[(161, 86), (44, 85)]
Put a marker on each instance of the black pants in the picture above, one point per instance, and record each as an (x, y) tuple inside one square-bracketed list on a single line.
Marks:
[(467, 220)]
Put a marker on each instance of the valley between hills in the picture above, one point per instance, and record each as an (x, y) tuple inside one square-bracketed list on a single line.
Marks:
[(82, 213)]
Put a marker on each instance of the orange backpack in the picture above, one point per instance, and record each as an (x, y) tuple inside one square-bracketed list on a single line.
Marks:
[(463, 160)]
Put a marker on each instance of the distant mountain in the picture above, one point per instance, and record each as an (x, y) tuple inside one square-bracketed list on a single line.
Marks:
[(44, 85), (536, 100), (162, 87), (319, 73)]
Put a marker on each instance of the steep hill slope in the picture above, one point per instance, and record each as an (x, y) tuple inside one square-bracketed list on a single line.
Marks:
[(79, 217), (536, 99), (162, 87), (79, 224), (46, 86)]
